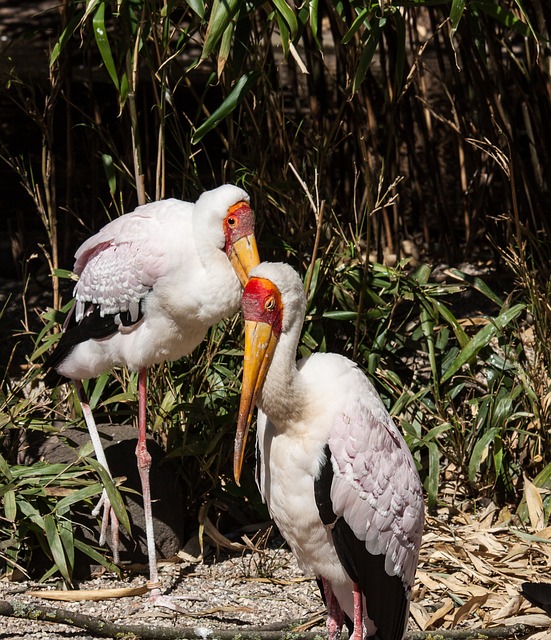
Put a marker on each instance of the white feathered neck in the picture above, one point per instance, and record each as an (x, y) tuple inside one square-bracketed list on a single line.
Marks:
[(284, 398)]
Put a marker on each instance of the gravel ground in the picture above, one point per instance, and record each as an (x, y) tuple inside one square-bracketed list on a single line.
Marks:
[(217, 595), (470, 573)]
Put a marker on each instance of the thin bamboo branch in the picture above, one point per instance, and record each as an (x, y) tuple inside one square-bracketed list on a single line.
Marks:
[(104, 628)]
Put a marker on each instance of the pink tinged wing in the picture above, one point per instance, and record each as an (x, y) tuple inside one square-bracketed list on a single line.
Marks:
[(119, 265), (376, 488)]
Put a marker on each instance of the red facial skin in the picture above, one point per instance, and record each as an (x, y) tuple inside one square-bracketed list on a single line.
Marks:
[(261, 302), (238, 223)]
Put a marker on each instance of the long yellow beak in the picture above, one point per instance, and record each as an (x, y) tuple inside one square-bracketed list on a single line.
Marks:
[(244, 256), (260, 344)]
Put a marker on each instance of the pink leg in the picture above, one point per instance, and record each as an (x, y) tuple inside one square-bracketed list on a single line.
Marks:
[(108, 513), (358, 617), (335, 615), (144, 465)]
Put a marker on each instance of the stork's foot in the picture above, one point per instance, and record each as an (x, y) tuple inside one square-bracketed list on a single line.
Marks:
[(108, 520)]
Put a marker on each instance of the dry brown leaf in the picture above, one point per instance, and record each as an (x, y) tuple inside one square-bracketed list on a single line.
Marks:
[(479, 564), (546, 402), (213, 610), (420, 615), (466, 609), (545, 533), (486, 540), (446, 607), (456, 586), (315, 620), (534, 504), (518, 550), (96, 594), (509, 609), (220, 540), (427, 580), (541, 635), (535, 620), (486, 518), (278, 580)]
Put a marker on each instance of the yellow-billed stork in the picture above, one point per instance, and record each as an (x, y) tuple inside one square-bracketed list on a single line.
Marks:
[(151, 283), (334, 470)]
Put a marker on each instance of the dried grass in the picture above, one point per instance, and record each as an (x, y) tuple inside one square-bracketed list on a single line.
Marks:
[(471, 568)]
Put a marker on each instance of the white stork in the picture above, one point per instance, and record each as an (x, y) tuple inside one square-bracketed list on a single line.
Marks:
[(334, 470), (151, 284)]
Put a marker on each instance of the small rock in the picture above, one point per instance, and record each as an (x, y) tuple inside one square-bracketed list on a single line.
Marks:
[(119, 443)]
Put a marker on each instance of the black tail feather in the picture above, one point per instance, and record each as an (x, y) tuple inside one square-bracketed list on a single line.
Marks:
[(539, 594), (93, 326)]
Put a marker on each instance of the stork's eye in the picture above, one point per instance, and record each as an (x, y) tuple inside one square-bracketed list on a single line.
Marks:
[(269, 305), (232, 222)]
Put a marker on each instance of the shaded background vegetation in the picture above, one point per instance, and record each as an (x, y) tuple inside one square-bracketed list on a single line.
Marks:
[(395, 154)]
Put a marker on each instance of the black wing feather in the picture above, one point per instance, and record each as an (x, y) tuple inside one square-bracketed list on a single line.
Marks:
[(387, 603), (93, 326), (539, 594)]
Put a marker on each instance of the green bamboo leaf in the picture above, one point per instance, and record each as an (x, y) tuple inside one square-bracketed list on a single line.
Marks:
[(340, 315), (99, 387), (355, 26), (109, 168), (288, 15), (67, 540), (56, 546), (236, 96), (5, 469), (434, 475), (502, 410), (127, 396), (527, 19), (48, 344), (476, 283), (479, 453), (448, 316), (422, 274), (86, 450), (503, 15), (400, 25), (482, 339), (66, 274), (313, 10), (366, 57), (63, 38), (113, 493), (498, 455), (10, 506), (427, 327), (198, 7), (283, 34), (97, 557), (225, 48), (220, 17), (78, 496), (39, 470), (123, 92), (100, 34), (90, 6), (458, 7)]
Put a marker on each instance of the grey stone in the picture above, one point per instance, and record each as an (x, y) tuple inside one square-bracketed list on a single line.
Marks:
[(119, 443)]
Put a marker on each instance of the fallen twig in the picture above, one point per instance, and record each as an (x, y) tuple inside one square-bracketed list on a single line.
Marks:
[(76, 595), (106, 629)]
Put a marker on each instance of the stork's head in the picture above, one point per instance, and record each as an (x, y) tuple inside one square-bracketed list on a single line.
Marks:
[(224, 216), (273, 304)]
